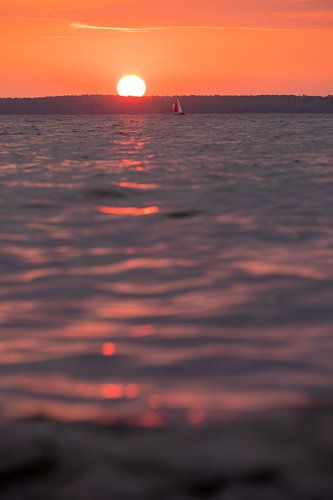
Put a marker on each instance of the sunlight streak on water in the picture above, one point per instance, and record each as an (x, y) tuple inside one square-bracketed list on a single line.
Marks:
[(135, 211)]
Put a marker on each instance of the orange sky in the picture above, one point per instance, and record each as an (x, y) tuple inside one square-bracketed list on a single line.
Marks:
[(56, 47)]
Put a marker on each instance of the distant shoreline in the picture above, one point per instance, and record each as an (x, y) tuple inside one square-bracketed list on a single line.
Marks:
[(104, 104)]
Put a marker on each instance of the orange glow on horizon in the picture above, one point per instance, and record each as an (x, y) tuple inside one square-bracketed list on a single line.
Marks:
[(216, 46)]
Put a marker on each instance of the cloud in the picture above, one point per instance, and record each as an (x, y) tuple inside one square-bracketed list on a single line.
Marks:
[(148, 29), (137, 29)]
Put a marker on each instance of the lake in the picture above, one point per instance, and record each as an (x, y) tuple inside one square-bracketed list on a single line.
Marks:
[(159, 269)]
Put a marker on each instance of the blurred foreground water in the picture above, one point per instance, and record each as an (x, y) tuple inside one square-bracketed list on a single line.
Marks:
[(156, 269)]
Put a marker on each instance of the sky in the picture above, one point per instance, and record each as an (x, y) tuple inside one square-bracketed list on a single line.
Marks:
[(60, 47)]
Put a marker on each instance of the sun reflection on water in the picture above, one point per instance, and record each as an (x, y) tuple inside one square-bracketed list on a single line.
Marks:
[(108, 349), (137, 185), (126, 211), (143, 330)]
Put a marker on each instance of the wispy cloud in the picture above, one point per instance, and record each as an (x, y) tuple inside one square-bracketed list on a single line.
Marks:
[(147, 29), (137, 29)]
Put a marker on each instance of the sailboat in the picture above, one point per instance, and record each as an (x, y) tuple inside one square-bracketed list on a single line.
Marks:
[(177, 108)]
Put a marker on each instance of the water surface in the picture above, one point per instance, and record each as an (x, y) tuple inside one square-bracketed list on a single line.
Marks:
[(160, 268)]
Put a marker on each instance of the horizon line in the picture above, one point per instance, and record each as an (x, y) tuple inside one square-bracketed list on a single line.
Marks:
[(165, 96)]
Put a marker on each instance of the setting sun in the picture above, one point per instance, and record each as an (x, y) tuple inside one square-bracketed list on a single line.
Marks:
[(131, 85)]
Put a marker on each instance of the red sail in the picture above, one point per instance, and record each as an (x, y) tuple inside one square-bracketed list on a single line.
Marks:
[(175, 107)]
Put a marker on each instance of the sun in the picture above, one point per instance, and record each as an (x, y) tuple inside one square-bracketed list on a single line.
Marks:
[(131, 85)]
